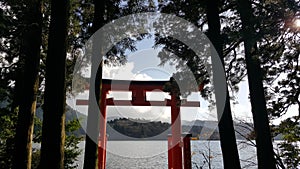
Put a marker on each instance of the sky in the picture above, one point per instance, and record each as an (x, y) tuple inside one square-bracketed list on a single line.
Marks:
[(143, 65)]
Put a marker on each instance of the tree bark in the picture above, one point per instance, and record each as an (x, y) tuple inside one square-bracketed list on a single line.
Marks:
[(53, 131), (91, 147), (30, 54), (226, 129), (265, 155)]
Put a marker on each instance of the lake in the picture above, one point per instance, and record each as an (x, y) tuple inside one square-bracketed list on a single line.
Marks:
[(153, 154)]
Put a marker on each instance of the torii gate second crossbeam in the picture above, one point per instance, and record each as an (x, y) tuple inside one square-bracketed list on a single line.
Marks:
[(139, 89)]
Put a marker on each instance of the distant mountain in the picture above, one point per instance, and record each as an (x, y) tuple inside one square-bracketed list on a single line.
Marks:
[(202, 128), (128, 129), (71, 114), (206, 123)]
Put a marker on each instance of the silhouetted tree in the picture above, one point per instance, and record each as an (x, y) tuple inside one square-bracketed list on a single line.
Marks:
[(227, 134), (53, 131), (30, 54), (264, 145), (91, 147)]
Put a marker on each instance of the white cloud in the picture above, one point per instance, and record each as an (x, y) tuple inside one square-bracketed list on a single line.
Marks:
[(242, 112), (123, 72), (141, 77)]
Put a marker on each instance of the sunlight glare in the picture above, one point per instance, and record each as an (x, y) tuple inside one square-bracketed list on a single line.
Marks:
[(297, 23)]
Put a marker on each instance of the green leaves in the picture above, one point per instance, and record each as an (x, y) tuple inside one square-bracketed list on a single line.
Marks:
[(72, 140), (7, 125), (289, 147)]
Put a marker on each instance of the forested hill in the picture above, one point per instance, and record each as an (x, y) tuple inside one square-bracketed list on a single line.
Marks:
[(135, 128)]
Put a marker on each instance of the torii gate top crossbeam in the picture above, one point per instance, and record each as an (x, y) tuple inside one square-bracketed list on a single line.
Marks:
[(138, 89), (129, 85)]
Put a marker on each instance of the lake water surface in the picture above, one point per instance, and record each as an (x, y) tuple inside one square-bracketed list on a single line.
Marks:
[(153, 155)]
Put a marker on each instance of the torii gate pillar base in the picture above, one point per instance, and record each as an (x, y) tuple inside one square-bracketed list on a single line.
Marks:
[(185, 146)]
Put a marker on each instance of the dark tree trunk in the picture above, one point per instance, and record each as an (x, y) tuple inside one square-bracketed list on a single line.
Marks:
[(91, 147), (264, 145), (30, 54), (53, 131), (226, 129)]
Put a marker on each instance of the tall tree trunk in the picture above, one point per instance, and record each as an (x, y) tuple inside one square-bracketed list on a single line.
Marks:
[(264, 145), (226, 129), (91, 147), (53, 131), (30, 53)]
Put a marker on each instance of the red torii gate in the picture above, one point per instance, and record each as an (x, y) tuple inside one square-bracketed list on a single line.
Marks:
[(139, 88)]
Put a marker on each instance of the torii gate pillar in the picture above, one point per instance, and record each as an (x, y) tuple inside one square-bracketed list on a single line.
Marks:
[(102, 138), (176, 133)]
